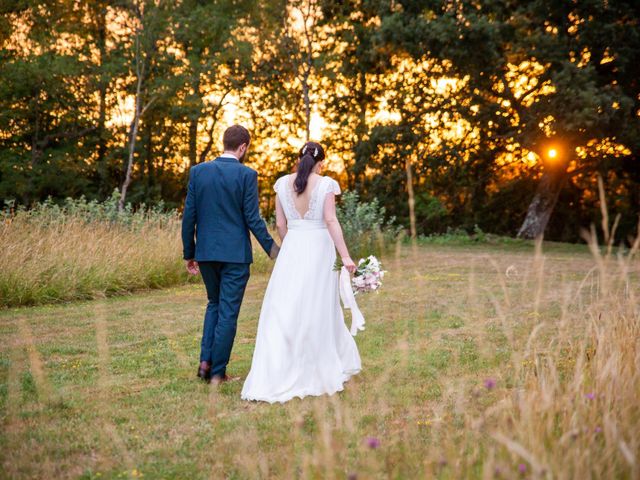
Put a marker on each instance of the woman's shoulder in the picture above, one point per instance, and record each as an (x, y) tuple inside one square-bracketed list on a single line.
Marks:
[(281, 181), (332, 184)]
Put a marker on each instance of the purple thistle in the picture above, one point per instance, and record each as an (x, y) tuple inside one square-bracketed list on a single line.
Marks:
[(590, 396), (522, 468), (597, 429), (489, 383), (373, 442)]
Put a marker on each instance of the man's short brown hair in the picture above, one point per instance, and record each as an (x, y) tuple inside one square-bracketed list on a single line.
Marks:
[(234, 136)]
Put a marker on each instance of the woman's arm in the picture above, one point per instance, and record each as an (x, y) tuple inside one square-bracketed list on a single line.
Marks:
[(335, 230), (281, 220)]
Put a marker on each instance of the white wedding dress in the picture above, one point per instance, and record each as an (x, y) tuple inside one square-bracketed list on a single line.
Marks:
[(303, 346)]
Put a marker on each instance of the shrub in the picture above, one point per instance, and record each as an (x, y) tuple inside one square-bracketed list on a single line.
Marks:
[(366, 231), (49, 213)]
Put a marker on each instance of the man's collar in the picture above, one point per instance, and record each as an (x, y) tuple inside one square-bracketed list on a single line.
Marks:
[(228, 155)]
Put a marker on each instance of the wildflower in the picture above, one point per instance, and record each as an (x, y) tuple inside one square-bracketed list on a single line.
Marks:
[(373, 442), (489, 383), (590, 396), (522, 468), (597, 429), (352, 476)]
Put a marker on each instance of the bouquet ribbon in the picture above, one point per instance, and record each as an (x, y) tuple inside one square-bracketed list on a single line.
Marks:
[(349, 301)]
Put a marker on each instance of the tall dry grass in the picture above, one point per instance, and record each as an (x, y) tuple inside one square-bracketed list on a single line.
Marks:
[(573, 409), (565, 405), (74, 259), (82, 249)]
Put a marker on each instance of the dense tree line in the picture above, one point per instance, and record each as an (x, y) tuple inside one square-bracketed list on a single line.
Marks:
[(501, 114)]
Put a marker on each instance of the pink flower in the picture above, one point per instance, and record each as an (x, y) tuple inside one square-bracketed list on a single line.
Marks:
[(489, 383), (522, 468), (373, 443)]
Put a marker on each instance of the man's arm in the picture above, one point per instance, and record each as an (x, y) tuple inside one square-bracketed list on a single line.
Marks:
[(252, 215), (189, 221)]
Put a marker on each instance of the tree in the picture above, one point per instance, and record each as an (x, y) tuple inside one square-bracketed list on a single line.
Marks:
[(537, 67), (591, 51), (45, 105), (149, 24)]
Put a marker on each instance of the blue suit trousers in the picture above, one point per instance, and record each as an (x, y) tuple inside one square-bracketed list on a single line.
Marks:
[(225, 283)]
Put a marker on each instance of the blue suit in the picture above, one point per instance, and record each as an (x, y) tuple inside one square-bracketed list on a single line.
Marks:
[(220, 210)]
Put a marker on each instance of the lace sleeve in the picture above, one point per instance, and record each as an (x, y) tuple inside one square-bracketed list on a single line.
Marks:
[(277, 187), (333, 187)]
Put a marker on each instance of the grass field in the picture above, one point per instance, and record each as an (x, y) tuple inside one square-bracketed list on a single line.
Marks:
[(478, 362)]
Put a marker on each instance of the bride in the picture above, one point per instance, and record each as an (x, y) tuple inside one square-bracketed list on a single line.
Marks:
[(303, 346)]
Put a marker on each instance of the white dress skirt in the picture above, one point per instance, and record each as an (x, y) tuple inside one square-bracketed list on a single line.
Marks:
[(303, 346)]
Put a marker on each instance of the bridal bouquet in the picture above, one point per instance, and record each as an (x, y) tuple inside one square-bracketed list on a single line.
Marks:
[(368, 275)]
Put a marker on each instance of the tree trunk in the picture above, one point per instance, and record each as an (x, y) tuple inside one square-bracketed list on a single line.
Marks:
[(149, 160), (307, 104), (133, 134), (355, 174), (193, 122), (214, 120), (543, 203), (102, 98), (135, 123), (193, 141), (412, 201), (308, 63)]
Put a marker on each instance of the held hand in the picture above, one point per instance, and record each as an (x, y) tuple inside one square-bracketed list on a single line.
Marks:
[(192, 267), (275, 250), (348, 264)]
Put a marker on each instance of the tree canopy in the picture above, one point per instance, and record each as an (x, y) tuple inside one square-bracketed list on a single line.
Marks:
[(455, 113)]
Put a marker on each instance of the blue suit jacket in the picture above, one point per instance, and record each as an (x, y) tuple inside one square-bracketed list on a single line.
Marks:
[(220, 209)]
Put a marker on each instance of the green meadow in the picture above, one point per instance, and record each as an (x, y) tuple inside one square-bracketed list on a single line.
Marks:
[(479, 361)]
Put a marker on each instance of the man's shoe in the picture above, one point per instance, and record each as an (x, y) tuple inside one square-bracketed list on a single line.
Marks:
[(204, 371)]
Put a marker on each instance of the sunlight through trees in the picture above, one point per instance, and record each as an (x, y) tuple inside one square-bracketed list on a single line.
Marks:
[(451, 113)]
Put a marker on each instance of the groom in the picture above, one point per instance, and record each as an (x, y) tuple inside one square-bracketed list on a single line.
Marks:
[(220, 209)]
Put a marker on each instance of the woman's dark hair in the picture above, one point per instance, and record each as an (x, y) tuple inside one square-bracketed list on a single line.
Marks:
[(310, 154)]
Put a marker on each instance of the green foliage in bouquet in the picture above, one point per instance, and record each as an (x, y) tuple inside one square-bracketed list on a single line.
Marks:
[(366, 230)]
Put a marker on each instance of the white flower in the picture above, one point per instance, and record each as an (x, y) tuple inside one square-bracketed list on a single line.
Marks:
[(358, 281)]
